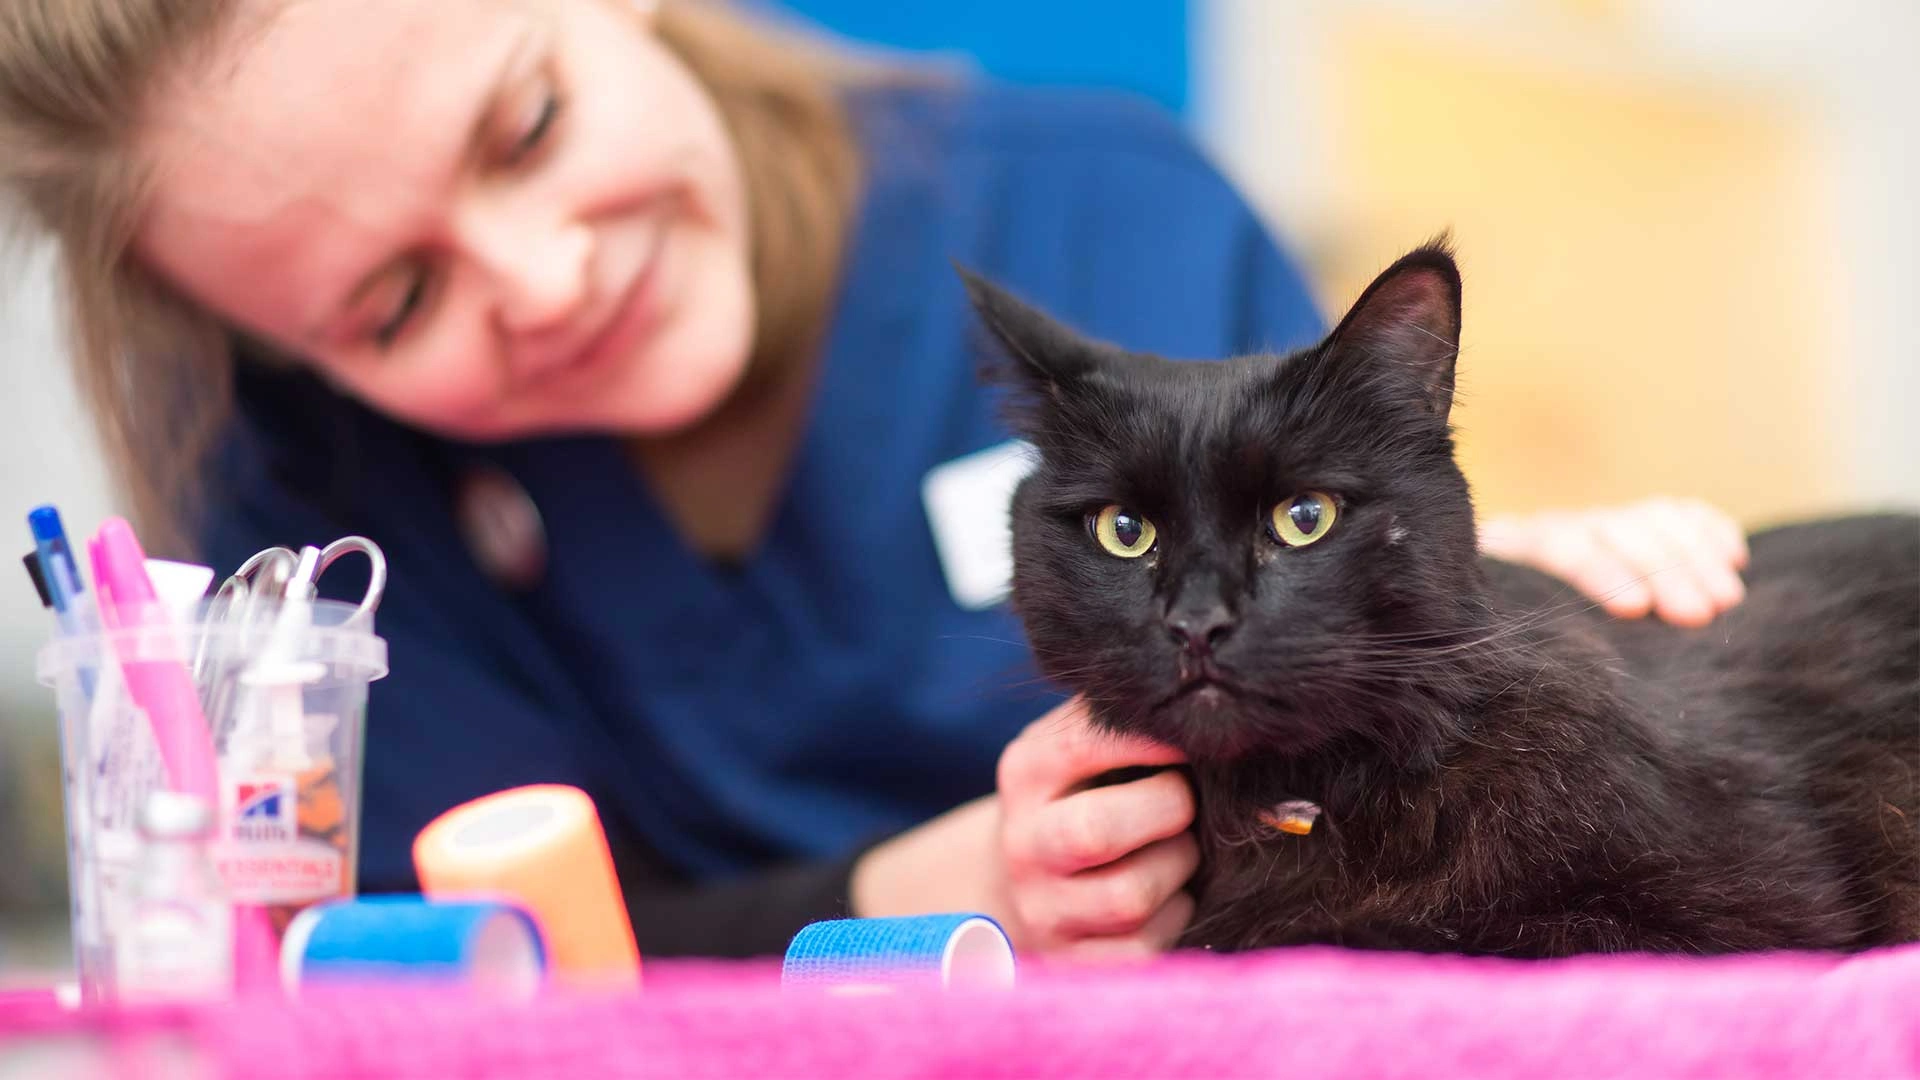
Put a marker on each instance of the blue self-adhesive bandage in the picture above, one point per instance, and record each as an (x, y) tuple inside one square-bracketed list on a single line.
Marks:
[(961, 951), (490, 945)]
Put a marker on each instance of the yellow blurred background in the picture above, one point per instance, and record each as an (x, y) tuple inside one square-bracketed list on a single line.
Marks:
[(1668, 267)]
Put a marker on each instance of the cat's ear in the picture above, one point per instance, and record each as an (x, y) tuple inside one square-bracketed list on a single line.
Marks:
[(1408, 320), (1046, 356)]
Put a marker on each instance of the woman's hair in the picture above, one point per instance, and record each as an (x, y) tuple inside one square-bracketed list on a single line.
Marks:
[(76, 77)]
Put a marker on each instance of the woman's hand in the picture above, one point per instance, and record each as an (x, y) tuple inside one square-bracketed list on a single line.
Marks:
[(1678, 557), (1095, 872), (1070, 870)]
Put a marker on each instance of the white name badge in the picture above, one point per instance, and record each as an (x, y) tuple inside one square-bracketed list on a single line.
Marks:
[(969, 507)]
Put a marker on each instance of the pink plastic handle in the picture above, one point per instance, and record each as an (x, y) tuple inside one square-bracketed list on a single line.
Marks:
[(163, 689)]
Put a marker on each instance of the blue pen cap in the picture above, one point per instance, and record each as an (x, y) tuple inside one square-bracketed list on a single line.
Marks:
[(45, 523), (62, 574)]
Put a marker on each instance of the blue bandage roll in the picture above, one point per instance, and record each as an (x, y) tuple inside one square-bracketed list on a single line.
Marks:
[(958, 951), (492, 946)]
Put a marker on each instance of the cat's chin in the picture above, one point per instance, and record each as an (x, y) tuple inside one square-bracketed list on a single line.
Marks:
[(1213, 723)]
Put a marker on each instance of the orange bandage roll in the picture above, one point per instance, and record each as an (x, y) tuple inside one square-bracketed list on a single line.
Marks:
[(542, 848)]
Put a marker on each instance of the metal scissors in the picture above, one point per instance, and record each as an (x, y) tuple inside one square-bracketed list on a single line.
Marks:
[(271, 584), (287, 574)]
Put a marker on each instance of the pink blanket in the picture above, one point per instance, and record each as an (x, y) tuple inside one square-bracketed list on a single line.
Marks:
[(1286, 1014)]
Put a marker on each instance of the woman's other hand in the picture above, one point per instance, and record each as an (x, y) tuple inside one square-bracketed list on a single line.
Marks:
[(1678, 557)]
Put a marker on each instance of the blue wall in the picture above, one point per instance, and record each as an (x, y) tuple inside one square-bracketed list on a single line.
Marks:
[(1138, 45)]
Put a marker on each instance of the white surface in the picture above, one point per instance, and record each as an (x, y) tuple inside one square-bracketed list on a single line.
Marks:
[(505, 821), (49, 454), (968, 502), (978, 957)]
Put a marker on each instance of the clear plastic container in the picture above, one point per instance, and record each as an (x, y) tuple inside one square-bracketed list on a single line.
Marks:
[(285, 700)]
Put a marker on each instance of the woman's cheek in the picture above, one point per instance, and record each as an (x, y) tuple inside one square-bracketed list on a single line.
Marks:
[(453, 391)]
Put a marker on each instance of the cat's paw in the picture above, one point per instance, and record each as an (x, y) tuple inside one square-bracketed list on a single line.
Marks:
[(1679, 558)]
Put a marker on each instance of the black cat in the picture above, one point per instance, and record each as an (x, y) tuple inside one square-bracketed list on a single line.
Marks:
[(1270, 563)]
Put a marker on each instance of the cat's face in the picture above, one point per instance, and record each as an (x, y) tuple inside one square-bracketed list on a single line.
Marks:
[(1224, 556)]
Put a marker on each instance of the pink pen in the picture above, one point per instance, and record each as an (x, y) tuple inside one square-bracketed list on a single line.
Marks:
[(162, 687)]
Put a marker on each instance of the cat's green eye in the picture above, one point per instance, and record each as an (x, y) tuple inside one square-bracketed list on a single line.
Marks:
[(1306, 517), (1119, 531)]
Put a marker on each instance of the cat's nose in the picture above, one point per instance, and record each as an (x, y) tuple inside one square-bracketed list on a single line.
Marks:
[(1200, 630)]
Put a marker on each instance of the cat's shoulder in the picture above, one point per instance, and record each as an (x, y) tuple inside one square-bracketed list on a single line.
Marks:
[(1851, 545)]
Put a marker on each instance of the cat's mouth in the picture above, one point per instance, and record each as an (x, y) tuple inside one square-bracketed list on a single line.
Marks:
[(1203, 691), (1203, 683), (1212, 716), (1207, 717)]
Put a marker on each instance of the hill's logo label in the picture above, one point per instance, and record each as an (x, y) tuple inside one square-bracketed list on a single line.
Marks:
[(264, 811)]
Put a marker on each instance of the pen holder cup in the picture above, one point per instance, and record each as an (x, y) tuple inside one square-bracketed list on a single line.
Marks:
[(280, 697)]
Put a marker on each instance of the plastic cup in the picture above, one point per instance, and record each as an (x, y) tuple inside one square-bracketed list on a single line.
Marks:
[(285, 699)]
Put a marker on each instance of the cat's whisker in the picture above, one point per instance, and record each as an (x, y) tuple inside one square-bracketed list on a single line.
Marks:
[(1385, 661), (1530, 620), (983, 637), (1518, 626)]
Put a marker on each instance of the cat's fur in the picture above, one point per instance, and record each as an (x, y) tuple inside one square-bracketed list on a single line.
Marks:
[(1502, 768)]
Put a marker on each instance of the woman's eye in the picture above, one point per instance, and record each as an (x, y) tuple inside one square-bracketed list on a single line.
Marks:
[(545, 112), (391, 327), (1301, 520), (1122, 532)]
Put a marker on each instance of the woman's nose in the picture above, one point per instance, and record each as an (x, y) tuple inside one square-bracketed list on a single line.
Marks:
[(546, 289), (540, 269)]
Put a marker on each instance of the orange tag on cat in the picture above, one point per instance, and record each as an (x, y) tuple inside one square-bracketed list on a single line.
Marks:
[(1294, 817)]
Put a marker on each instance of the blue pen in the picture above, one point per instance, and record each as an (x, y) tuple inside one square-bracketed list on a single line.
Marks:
[(62, 578), (57, 577), (56, 563)]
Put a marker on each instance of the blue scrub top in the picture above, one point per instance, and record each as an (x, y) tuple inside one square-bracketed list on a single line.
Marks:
[(829, 690)]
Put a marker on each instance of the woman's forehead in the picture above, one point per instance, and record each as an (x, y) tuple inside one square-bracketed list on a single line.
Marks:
[(310, 144), (355, 103)]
